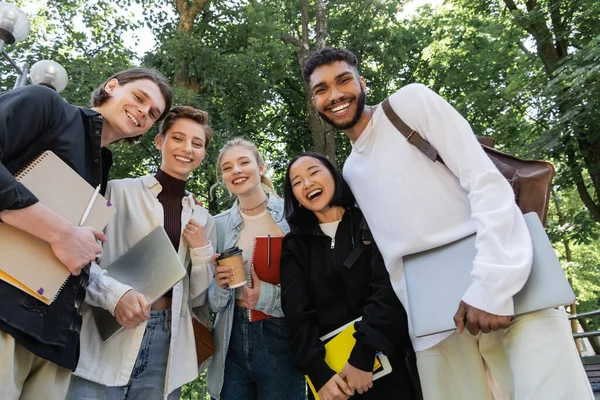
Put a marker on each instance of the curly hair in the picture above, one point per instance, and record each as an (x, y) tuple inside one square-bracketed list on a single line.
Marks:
[(326, 56)]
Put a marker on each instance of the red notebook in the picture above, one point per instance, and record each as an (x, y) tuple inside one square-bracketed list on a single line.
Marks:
[(266, 255)]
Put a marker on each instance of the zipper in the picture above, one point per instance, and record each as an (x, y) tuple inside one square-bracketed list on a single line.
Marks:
[(332, 243)]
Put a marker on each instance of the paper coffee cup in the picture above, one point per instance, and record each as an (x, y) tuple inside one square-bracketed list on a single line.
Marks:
[(232, 257)]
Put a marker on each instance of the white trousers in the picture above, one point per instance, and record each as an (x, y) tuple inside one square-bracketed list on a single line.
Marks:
[(533, 359), (25, 376)]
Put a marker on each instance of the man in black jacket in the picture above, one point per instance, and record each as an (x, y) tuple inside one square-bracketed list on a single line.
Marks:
[(39, 343)]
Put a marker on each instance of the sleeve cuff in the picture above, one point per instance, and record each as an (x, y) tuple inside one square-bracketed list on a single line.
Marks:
[(202, 254), (487, 298), (319, 373), (118, 291), (362, 357), (265, 297), (16, 197)]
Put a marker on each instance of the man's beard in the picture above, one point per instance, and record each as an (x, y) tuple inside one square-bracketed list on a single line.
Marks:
[(359, 108)]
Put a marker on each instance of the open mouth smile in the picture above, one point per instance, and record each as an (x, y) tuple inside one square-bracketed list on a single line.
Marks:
[(183, 159), (132, 118), (340, 108), (315, 194), (238, 181)]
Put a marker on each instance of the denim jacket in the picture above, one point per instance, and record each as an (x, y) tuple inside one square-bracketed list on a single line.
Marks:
[(222, 301)]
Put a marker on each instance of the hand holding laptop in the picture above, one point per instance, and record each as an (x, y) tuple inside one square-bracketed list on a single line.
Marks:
[(132, 309), (477, 320)]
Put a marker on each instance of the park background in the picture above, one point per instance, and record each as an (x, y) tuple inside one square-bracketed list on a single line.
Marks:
[(526, 72)]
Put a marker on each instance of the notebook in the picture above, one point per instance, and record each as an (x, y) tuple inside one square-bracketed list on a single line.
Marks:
[(27, 262), (151, 267), (437, 279), (338, 350), (266, 254)]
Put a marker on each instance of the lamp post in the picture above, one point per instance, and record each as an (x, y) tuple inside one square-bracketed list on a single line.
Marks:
[(14, 27)]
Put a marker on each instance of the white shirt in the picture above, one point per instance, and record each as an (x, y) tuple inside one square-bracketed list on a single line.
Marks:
[(413, 204), (110, 363)]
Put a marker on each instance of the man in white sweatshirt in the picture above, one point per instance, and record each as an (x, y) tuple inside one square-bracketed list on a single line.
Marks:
[(413, 204)]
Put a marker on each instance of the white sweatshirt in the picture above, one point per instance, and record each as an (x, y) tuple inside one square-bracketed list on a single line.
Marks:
[(413, 204)]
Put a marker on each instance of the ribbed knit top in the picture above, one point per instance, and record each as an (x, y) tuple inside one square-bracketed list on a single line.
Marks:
[(171, 195)]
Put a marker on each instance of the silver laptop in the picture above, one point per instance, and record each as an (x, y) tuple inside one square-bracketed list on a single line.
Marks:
[(437, 279), (151, 267)]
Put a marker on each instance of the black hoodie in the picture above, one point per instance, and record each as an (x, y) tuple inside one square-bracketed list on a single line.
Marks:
[(327, 283)]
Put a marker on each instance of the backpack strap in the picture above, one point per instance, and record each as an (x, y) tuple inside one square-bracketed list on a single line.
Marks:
[(412, 136), (366, 239)]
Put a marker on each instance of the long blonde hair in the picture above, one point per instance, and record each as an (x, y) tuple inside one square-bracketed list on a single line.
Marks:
[(266, 183)]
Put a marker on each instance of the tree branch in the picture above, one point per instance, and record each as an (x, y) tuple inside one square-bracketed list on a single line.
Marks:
[(289, 39), (558, 27), (585, 195), (304, 21), (321, 16), (534, 22)]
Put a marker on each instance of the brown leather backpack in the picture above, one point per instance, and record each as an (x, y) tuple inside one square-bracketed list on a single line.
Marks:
[(531, 180)]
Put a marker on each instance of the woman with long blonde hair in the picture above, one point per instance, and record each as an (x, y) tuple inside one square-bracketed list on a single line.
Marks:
[(253, 360)]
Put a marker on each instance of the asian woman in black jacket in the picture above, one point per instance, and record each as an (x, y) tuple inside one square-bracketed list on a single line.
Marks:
[(332, 274)]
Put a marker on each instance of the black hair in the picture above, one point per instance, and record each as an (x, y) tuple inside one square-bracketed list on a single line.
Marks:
[(297, 216), (326, 56)]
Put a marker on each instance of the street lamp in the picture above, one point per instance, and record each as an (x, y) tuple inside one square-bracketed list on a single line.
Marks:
[(14, 27), (49, 73)]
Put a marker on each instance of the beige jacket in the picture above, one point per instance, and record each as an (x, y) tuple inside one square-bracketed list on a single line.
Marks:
[(138, 213)]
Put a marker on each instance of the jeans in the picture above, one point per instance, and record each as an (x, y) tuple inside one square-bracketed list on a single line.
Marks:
[(259, 364), (147, 381)]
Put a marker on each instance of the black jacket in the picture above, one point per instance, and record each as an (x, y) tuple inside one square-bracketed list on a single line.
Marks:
[(34, 119), (326, 284)]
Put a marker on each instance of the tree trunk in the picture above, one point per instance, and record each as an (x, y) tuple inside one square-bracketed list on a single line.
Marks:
[(187, 15), (322, 134)]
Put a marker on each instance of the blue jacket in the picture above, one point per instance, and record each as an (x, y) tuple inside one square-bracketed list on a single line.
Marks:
[(222, 301)]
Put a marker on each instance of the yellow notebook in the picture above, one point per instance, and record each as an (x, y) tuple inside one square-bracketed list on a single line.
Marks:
[(27, 262), (338, 350)]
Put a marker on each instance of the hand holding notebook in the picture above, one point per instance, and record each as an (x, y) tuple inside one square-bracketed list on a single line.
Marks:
[(28, 262), (338, 349), (266, 255)]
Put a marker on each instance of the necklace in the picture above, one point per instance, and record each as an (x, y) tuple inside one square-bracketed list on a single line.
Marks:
[(249, 211)]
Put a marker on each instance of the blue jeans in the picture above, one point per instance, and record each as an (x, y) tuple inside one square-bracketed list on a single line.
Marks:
[(147, 379), (259, 364)]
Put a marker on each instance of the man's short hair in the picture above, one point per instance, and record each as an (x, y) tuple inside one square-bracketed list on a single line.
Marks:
[(101, 96), (326, 56)]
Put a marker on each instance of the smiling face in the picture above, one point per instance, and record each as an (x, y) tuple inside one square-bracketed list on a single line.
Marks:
[(312, 184), (338, 94), (182, 148), (132, 108), (240, 169)]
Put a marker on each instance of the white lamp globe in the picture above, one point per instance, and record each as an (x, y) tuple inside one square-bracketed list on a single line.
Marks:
[(14, 24), (49, 73)]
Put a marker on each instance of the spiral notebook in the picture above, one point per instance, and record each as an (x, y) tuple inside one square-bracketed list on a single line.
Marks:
[(266, 255), (27, 262)]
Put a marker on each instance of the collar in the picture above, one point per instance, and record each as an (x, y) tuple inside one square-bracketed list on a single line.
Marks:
[(91, 113), (274, 207), (155, 188)]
